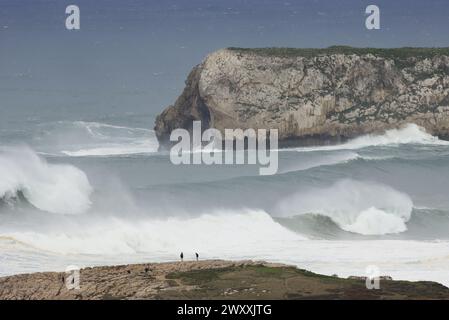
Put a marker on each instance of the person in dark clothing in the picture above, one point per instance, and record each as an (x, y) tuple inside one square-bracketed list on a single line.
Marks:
[(182, 256), (197, 256)]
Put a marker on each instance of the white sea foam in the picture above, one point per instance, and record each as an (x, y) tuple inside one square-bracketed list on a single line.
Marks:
[(373, 221), (114, 150), (410, 134), (403, 260), (366, 208), (83, 139), (49, 187), (208, 232)]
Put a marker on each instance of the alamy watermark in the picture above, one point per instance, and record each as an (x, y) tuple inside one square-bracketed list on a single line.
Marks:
[(250, 147), (372, 22), (72, 278), (73, 20), (373, 277)]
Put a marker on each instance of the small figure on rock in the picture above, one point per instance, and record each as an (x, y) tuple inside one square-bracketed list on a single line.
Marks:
[(197, 256), (182, 256)]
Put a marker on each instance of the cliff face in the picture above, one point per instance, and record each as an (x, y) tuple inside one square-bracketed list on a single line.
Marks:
[(315, 95)]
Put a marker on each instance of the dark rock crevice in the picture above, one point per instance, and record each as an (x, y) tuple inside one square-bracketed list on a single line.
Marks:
[(188, 107)]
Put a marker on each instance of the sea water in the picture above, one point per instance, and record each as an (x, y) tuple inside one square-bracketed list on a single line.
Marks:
[(82, 181)]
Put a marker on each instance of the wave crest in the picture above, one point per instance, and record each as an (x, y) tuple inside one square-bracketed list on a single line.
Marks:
[(220, 232), (54, 188), (410, 134), (361, 207)]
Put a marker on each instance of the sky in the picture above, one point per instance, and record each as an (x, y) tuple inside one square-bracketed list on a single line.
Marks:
[(133, 56)]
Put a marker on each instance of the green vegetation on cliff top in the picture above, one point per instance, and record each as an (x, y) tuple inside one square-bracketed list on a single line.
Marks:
[(267, 282), (393, 53)]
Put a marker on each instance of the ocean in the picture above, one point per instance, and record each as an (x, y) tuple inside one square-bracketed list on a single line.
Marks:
[(89, 193), (82, 181)]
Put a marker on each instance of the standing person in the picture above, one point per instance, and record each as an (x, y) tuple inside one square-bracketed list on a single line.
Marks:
[(182, 256), (197, 256)]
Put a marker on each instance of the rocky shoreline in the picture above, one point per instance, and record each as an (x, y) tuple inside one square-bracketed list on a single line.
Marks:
[(212, 279)]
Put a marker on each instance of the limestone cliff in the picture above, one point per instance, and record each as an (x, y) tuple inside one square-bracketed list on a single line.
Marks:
[(315, 95)]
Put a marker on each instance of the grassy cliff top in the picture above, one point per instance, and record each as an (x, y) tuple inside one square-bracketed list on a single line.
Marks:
[(393, 53)]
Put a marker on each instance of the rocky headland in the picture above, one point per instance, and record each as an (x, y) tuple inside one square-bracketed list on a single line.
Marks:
[(211, 279), (315, 96)]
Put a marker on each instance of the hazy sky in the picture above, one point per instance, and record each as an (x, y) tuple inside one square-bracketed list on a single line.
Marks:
[(134, 55)]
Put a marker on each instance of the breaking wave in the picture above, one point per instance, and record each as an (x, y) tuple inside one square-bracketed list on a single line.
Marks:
[(53, 188), (219, 231), (410, 134), (365, 208)]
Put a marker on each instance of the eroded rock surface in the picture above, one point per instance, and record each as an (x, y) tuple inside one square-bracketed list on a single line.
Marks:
[(314, 95), (212, 279)]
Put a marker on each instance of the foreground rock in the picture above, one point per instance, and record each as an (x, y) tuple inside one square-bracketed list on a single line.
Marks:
[(209, 280), (315, 95)]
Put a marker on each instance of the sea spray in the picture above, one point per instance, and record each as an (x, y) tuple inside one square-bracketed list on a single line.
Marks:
[(189, 147), (54, 188), (366, 208), (218, 232), (410, 134)]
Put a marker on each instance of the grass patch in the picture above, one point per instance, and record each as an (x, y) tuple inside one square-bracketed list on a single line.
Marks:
[(399, 55), (262, 270), (199, 276)]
